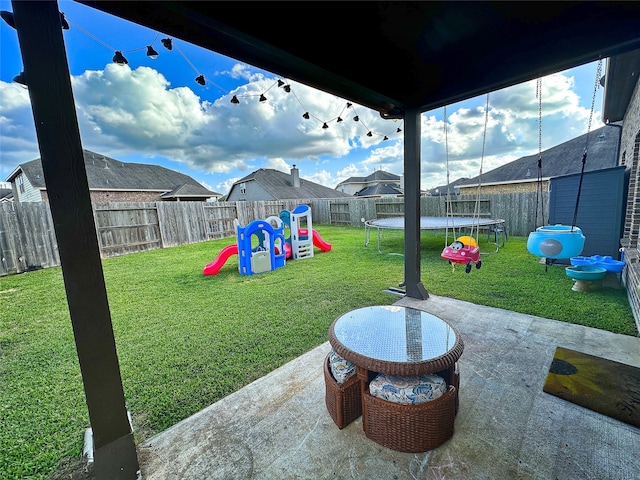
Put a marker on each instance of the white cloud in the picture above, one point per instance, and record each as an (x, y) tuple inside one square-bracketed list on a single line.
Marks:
[(18, 143), (323, 177), (225, 187), (278, 164), (512, 130), (124, 111)]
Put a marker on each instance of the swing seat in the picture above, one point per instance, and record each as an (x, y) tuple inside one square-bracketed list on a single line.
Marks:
[(458, 252), (556, 241)]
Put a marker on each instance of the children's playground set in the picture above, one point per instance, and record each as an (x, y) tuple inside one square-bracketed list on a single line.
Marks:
[(262, 247)]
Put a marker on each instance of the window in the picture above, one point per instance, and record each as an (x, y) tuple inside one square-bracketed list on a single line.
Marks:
[(243, 188), (20, 182)]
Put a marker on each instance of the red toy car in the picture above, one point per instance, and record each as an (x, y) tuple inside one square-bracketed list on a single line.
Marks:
[(465, 251)]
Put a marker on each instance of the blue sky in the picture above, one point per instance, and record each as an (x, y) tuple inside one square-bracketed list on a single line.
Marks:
[(153, 111)]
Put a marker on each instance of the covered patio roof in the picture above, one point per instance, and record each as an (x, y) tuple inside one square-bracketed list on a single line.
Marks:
[(398, 58), (394, 56)]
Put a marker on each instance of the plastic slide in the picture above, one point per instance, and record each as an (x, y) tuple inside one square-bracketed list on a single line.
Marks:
[(319, 242), (317, 239), (214, 267)]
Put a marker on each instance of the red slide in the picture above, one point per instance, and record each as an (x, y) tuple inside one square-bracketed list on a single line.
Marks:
[(319, 242), (214, 267)]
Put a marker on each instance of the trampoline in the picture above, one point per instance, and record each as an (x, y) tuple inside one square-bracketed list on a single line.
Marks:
[(494, 226)]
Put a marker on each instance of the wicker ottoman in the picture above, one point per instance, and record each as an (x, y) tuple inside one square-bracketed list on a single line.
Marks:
[(342, 399), (410, 428)]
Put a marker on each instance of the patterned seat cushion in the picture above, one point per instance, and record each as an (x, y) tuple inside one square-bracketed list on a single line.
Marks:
[(341, 369), (409, 390)]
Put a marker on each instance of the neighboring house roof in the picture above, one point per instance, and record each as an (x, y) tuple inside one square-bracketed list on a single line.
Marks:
[(377, 176), (279, 185), (190, 190), (453, 190), (6, 194), (563, 159), (104, 173), (380, 189)]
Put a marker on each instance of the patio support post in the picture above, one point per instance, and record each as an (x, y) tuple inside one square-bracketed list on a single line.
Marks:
[(47, 74), (413, 285)]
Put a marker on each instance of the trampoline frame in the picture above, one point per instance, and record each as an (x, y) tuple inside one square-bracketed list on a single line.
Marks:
[(494, 225)]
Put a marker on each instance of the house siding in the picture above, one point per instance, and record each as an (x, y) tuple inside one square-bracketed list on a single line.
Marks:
[(254, 193), (30, 194)]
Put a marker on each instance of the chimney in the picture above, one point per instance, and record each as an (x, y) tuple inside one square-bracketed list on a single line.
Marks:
[(295, 177)]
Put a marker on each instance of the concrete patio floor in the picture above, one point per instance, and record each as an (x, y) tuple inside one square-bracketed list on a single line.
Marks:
[(278, 428)]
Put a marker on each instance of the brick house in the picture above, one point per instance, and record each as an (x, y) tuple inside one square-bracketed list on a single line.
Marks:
[(521, 175), (622, 103), (111, 180)]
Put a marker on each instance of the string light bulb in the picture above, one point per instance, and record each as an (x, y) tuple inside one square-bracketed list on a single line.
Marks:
[(339, 120), (119, 58), (20, 79), (8, 18), (200, 80), (306, 115), (235, 100), (63, 22), (151, 52), (167, 43), (263, 98), (324, 125), (356, 118)]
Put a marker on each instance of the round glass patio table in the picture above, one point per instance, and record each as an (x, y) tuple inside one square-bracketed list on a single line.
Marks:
[(395, 340)]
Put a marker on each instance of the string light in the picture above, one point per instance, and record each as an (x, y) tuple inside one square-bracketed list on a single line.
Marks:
[(63, 22), (20, 79), (167, 43), (307, 115), (151, 53), (119, 58), (200, 79), (8, 18)]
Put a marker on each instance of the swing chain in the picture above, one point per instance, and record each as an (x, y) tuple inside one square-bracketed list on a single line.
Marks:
[(476, 211), (586, 144), (539, 192)]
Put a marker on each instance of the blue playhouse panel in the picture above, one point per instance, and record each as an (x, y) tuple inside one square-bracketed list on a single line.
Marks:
[(264, 258)]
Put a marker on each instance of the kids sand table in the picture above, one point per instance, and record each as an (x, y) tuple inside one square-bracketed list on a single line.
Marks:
[(399, 340)]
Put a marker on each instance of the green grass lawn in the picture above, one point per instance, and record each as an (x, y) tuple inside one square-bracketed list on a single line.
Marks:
[(186, 340)]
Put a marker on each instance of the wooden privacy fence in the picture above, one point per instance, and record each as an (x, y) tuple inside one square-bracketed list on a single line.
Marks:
[(27, 236)]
